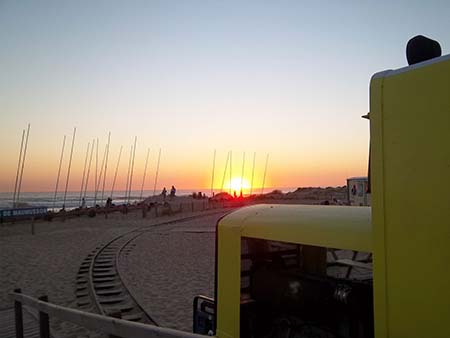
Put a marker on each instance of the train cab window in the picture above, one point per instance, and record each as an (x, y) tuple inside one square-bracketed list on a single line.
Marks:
[(293, 290)]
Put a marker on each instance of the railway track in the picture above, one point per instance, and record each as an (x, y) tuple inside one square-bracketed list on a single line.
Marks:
[(99, 286)]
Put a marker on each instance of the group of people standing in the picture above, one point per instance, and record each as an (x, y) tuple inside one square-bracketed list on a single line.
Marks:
[(172, 192)]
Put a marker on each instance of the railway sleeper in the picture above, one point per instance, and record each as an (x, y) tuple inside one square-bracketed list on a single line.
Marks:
[(104, 265), (112, 292), (80, 294), (104, 274), (108, 261), (126, 308), (103, 279), (111, 300), (83, 302), (101, 286), (135, 317), (100, 270)]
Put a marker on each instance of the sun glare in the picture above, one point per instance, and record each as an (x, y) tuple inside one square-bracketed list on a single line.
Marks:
[(236, 184)]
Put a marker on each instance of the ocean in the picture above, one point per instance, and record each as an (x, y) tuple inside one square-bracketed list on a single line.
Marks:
[(73, 200), (46, 199)]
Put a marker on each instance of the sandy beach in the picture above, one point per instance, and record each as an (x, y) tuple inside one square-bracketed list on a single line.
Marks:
[(175, 264), (164, 271)]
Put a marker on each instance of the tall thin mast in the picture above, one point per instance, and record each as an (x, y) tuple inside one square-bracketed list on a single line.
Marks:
[(89, 169), (59, 171), (106, 165), (70, 164), (157, 172), (213, 169), (23, 164), (145, 173), (84, 172), (18, 168), (128, 174), (115, 174), (265, 171), (99, 180), (132, 169), (253, 173), (96, 173), (231, 168), (225, 171), (242, 174)]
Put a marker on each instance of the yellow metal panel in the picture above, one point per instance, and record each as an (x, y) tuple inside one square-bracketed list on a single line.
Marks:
[(228, 282), (410, 131), (379, 258), (328, 226)]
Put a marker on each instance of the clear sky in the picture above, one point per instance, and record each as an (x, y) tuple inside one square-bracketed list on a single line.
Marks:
[(289, 78)]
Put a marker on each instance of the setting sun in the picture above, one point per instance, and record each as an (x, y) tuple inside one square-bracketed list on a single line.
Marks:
[(236, 184)]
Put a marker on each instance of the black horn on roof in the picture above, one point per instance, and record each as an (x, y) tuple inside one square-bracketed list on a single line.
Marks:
[(420, 48)]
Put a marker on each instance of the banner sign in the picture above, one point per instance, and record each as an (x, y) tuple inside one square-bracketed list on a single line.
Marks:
[(5, 213)]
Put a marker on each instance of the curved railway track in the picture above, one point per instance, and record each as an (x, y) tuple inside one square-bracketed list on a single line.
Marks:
[(99, 286)]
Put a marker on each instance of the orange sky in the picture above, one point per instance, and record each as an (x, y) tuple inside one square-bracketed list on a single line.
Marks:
[(289, 165)]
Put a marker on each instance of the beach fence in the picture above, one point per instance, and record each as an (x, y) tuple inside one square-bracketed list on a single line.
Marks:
[(115, 327), (22, 213)]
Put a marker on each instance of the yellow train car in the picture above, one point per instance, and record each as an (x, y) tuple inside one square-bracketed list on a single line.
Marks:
[(410, 165), (327, 271), (273, 267)]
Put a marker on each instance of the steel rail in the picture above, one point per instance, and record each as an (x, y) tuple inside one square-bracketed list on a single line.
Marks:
[(135, 233)]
